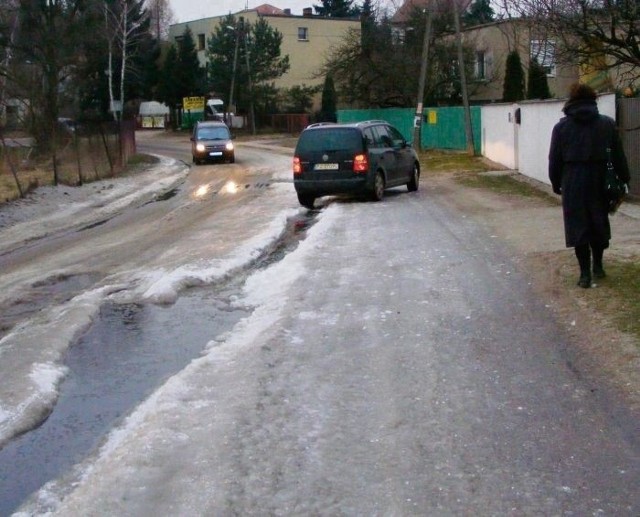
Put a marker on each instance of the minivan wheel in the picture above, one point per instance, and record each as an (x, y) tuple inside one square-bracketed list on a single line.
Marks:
[(306, 200), (378, 187), (412, 186)]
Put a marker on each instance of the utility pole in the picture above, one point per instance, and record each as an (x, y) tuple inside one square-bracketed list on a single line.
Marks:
[(468, 130), (233, 73), (417, 123), (250, 82)]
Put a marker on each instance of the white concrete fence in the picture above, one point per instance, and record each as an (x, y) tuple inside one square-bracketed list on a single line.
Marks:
[(524, 144)]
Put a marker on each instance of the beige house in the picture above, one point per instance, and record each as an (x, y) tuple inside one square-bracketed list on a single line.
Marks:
[(306, 39), (494, 41)]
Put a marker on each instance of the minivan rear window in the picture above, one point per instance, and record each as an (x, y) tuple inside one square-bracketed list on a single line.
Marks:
[(333, 139)]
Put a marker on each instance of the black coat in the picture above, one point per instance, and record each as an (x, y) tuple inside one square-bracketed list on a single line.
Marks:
[(577, 165)]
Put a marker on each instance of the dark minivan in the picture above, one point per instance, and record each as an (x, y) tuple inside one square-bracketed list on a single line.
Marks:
[(363, 158), (211, 141)]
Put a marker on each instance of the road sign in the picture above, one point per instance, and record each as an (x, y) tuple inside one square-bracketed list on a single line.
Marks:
[(193, 103)]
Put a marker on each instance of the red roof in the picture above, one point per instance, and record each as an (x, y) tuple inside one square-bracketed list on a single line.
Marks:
[(266, 9)]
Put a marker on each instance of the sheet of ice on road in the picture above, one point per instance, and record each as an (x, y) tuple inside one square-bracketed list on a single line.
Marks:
[(29, 391), (189, 390)]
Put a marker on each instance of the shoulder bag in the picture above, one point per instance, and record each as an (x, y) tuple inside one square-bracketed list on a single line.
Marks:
[(615, 189)]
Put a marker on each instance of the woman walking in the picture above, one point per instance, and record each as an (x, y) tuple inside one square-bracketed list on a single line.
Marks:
[(577, 165)]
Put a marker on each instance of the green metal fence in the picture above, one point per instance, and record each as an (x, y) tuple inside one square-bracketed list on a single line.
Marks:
[(402, 118), (442, 128)]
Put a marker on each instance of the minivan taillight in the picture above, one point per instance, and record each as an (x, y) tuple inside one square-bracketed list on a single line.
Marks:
[(297, 166), (360, 163)]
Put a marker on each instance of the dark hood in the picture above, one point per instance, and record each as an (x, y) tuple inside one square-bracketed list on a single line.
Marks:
[(581, 110)]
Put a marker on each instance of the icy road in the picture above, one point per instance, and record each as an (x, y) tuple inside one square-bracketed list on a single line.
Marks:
[(396, 362)]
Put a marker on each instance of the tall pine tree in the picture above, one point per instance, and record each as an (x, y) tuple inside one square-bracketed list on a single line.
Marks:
[(513, 88), (479, 12), (189, 75), (537, 85), (329, 101), (337, 9), (259, 44), (169, 91)]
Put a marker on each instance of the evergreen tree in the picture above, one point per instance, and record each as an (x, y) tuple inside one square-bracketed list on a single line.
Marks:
[(537, 85), (479, 12), (257, 43), (337, 9), (513, 89), (263, 44), (50, 38), (299, 98), (169, 91), (329, 101), (189, 74), (367, 28)]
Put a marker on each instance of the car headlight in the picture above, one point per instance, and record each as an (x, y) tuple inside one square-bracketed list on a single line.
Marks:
[(229, 146), (200, 148)]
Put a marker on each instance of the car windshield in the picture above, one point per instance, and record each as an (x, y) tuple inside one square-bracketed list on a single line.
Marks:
[(330, 139), (213, 133)]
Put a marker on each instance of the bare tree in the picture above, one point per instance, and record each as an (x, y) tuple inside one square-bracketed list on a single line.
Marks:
[(601, 34), (9, 22), (161, 17), (123, 21)]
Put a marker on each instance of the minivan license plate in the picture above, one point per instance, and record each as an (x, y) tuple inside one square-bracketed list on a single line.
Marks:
[(215, 153), (326, 167)]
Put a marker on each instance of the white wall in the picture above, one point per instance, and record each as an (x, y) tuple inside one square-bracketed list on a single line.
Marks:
[(526, 147), (499, 134)]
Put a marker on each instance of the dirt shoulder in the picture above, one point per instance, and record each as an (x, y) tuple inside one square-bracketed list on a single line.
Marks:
[(533, 229)]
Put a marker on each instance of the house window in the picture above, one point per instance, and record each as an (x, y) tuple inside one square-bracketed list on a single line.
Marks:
[(398, 35), (544, 52), (481, 69), (200, 41), (303, 34), (482, 65)]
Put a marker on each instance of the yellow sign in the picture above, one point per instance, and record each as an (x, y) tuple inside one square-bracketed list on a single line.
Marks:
[(193, 103), (432, 117)]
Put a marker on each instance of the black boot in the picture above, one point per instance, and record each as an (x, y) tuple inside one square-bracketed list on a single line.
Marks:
[(598, 269), (583, 254)]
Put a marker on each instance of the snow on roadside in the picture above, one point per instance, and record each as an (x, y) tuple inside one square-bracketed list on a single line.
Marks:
[(152, 424), (164, 286), (30, 389), (49, 209)]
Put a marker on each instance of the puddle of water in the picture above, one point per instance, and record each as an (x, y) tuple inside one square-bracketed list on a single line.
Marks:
[(167, 195), (129, 351), (52, 291), (295, 231)]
